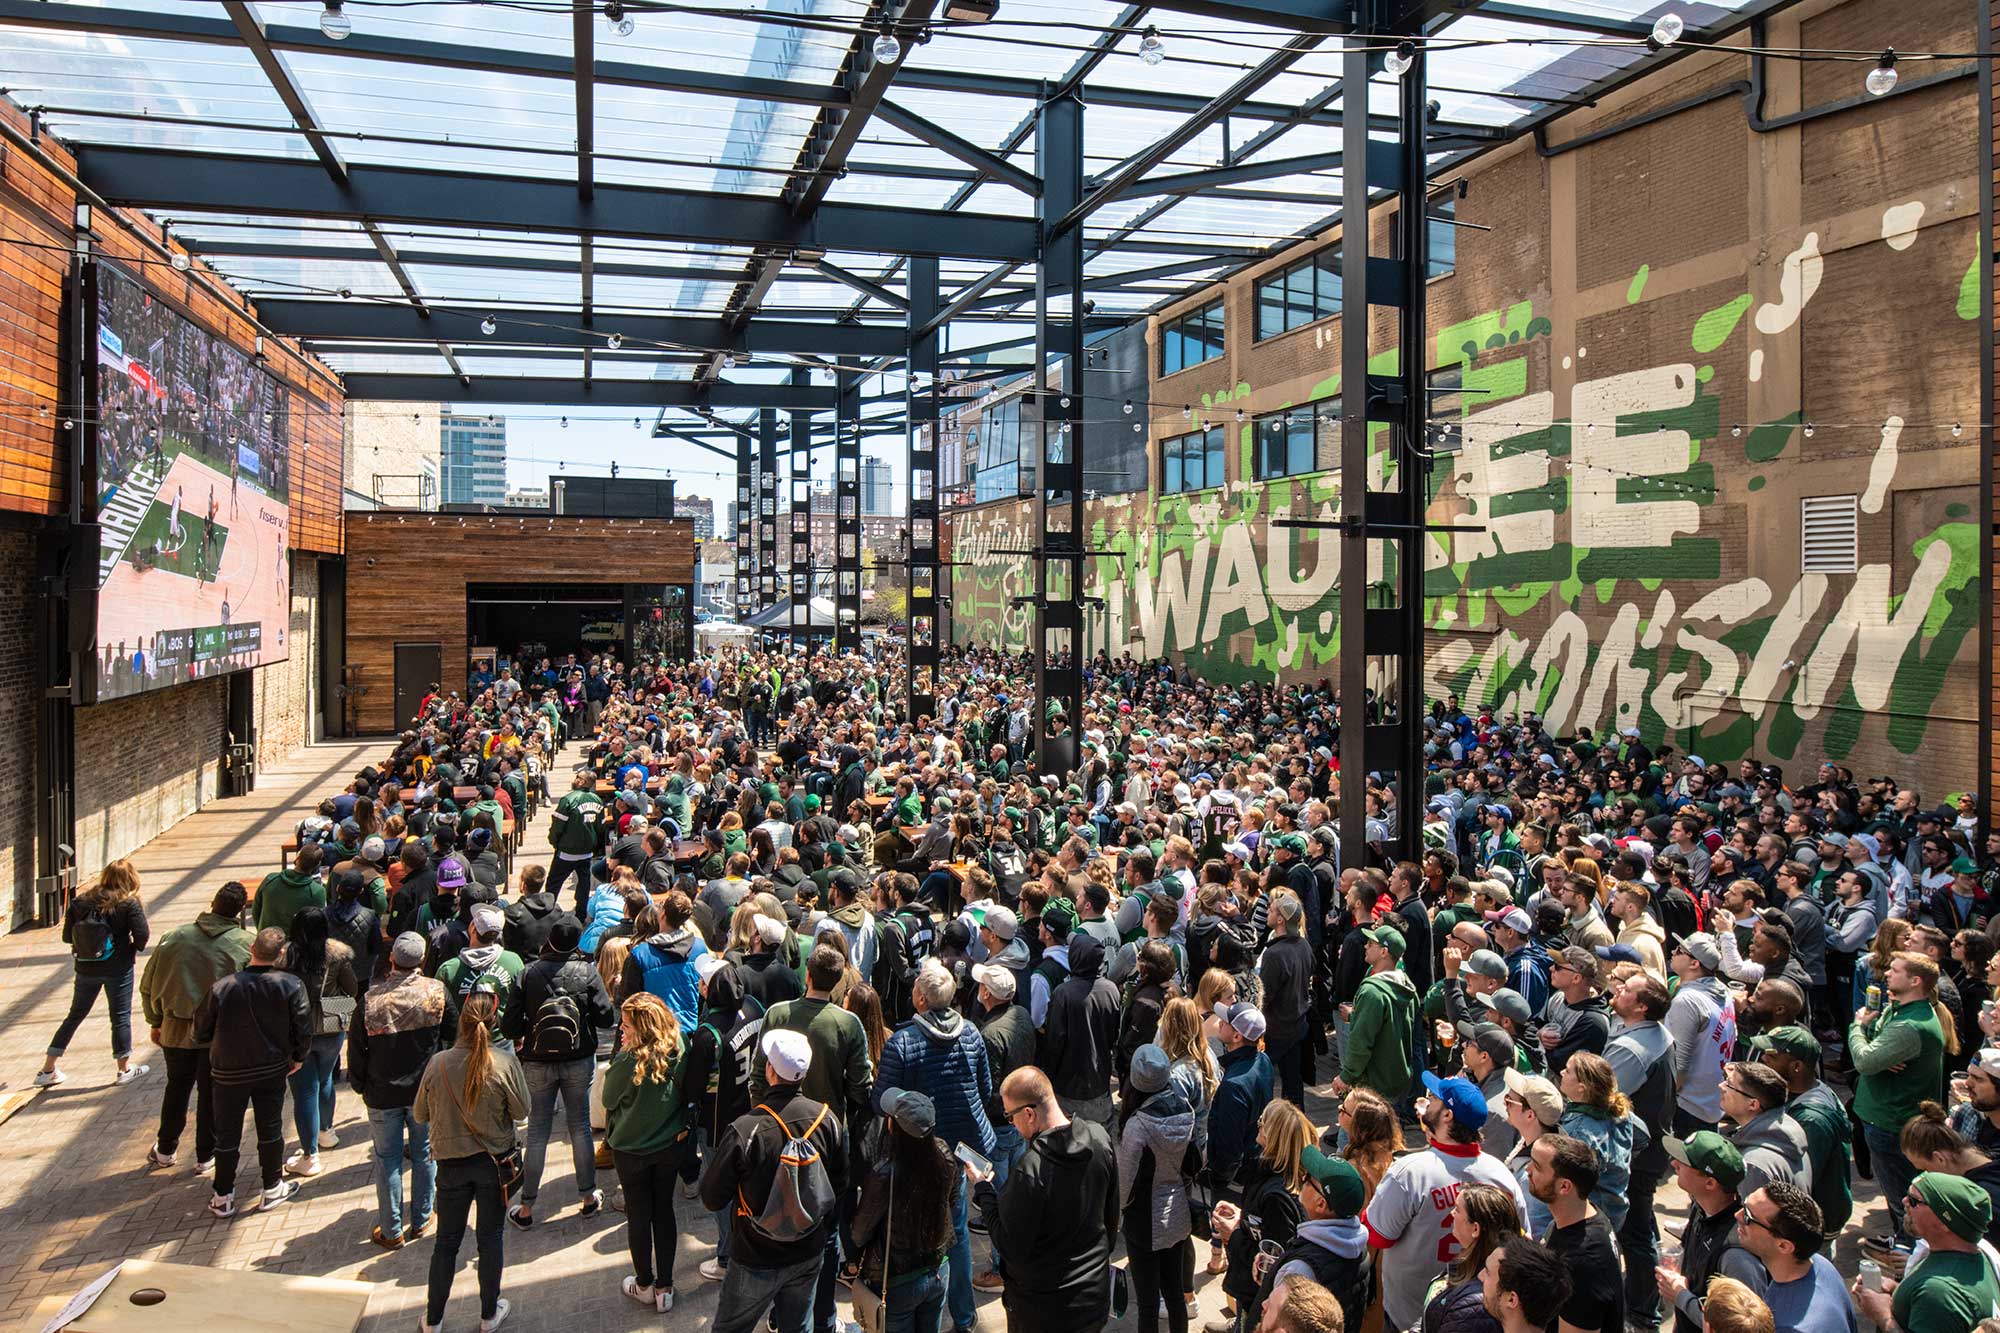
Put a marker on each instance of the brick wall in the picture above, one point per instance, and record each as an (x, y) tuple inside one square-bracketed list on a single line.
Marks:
[(143, 764), (285, 690), (17, 721)]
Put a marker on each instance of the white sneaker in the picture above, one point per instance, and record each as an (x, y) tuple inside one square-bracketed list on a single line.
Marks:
[(713, 1270), (222, 1205), (328, 1139), (500, 1309), (48, 1078), (278, 1193), (663, 1299), (158, 1158), (133, 1074), (293, 1158), (306, 1165), (205, 1167), (636, 1291)]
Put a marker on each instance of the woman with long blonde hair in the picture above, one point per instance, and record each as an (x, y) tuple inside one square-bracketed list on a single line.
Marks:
[(470, 1096), (1374, 1136), (1596, 1112), (648, 1123), (1271, 1208), (105, 929)]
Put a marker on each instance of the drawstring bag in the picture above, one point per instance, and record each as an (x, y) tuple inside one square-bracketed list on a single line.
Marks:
[(871, 1306)]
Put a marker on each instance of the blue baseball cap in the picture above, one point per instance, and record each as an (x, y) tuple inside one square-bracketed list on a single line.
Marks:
[(1466, 1103)]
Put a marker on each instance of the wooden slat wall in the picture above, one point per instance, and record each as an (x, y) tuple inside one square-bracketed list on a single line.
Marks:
[(407, 575), (38, 210)]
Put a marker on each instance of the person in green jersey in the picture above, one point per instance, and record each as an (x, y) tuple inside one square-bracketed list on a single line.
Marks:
[(1952, 1287)]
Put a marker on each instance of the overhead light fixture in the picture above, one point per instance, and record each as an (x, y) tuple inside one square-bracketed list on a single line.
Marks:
[(334, 23), (180, 261), (616, 19), (1151, 49), (887, 49), (1667, 28), (808, 254), (1398, 61), (971, 11), (489, 326), (1881, 80), (615, 341), (729, 360)]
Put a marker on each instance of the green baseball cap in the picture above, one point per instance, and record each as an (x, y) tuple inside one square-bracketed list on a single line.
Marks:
[(1964, 865), (1287, 842), (1388, 937), (1709, 1153), (1059, 916), (1959, 1203), (1791, 1040), (1336, 1179)]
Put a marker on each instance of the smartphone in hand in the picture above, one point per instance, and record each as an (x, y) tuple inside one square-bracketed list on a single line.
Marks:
[(977, 1169)]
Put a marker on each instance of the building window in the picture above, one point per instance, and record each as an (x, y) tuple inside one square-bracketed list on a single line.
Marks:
[(1191, 339), (1445, 429), (1443, 237), (1285, 443), (1829, 534), (1299, 294), (1192, 462), (999, 471)]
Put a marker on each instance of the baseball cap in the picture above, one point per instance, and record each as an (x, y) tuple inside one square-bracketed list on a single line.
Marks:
[(408, 951), (1791, 1040), (996, 979), (1961, 1204), (787, 1054), (1485, 963), (1497, 891), (1002, 922), (1388, 937), (1617, 953), (1492, 1039), (1246, 1018), (451, 873), (1508, 1004), (1058, 918), (1465, 1102), (770, 930), (1238, 849), (487, 919), (1709, 1153), (1964, 865), (373, 848), (1577, 959), (1513, 918), (1149, 1069), (1701, 947), (914, 1113), (705, 966), (1336, 1179), (1287, 842), (1542, 1096)]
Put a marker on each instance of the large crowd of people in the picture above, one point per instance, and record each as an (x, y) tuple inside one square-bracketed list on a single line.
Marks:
[(920, 1023)]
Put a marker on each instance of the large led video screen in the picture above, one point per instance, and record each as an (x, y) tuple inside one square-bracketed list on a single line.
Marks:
[(191, 439)]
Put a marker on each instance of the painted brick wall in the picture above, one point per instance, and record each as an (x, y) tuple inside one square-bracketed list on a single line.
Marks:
[(284, 698), (17, 721)]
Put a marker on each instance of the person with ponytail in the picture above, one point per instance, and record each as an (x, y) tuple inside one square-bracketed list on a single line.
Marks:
[(646, 1111), (105, 929), (1898, 1053), (471, 1096), (1932, 1144), (1600, 1115)]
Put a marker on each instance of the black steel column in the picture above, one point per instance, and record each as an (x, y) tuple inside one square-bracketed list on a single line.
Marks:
[(802, 438), (1381, 621), (921, 389), (847, 516), (746, 527), (799, 552), (1058, 629), (767, 509)]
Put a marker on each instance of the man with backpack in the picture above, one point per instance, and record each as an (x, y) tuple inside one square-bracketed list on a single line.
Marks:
[(782, 1166), (564, 1005), (484, 965)]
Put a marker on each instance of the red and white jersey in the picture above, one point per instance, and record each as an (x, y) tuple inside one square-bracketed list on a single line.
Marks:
[(1409, 1219)]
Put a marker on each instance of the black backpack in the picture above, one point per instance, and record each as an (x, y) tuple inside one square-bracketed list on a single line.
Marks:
[(90, 937), (557, 1031)]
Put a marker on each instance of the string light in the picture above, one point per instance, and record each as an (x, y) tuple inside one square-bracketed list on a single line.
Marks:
[(1399, 61), (616, 19), (489, 326), (334, 23), (886, 48), (180, 262), (1881, 80), (1187, 412), (1128, 407), (1667, 28), (1151, 49)]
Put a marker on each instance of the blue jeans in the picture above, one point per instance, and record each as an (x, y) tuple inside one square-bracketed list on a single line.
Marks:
[(747, 1293), (312, 1091), (958, 1260), (545, 1079), (392, 1127), (118, 1005), (1893, 1171), (918, 1306)]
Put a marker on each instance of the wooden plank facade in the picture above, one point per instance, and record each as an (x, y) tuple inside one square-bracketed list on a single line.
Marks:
[(407, 575)]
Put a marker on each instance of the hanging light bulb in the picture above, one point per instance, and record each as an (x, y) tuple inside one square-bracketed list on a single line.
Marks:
[(180, 262), (635, 423), (615, 341), (565, 423), (1809, 430), (887, 49), (616, 19), (1128, 407), (1151, 49), (1881, 80), (1398, 61), (1667, 28), (1187, 412), (346, 293), (1138, 428), (1239, 414), (1735, 432), (1957, 429), (728, 360), (334, 23), (489, 326)]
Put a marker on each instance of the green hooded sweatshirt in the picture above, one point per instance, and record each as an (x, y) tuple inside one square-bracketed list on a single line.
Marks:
[(1377, 1053), (184, 964), (281, 895)]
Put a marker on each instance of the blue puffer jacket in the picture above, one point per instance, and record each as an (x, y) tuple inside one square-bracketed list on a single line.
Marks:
[(664, 966), (1239, 1104), (944, 1057), (604, 911)]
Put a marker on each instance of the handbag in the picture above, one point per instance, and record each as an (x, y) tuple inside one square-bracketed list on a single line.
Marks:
[(871, 1307), (507, 1166)]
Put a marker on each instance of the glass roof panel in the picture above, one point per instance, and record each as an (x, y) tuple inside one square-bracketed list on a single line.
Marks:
[(143, 78), (377, 363)]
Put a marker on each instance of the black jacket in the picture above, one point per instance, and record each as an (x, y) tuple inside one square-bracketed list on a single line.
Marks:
[(129, 933), (719, 1052), (529, 921), (769, 979), (744, 1162), (1010, 1045), (1081, 1025), (256, 1024), (395, 1032), (1057, 1222), (578, 979)]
